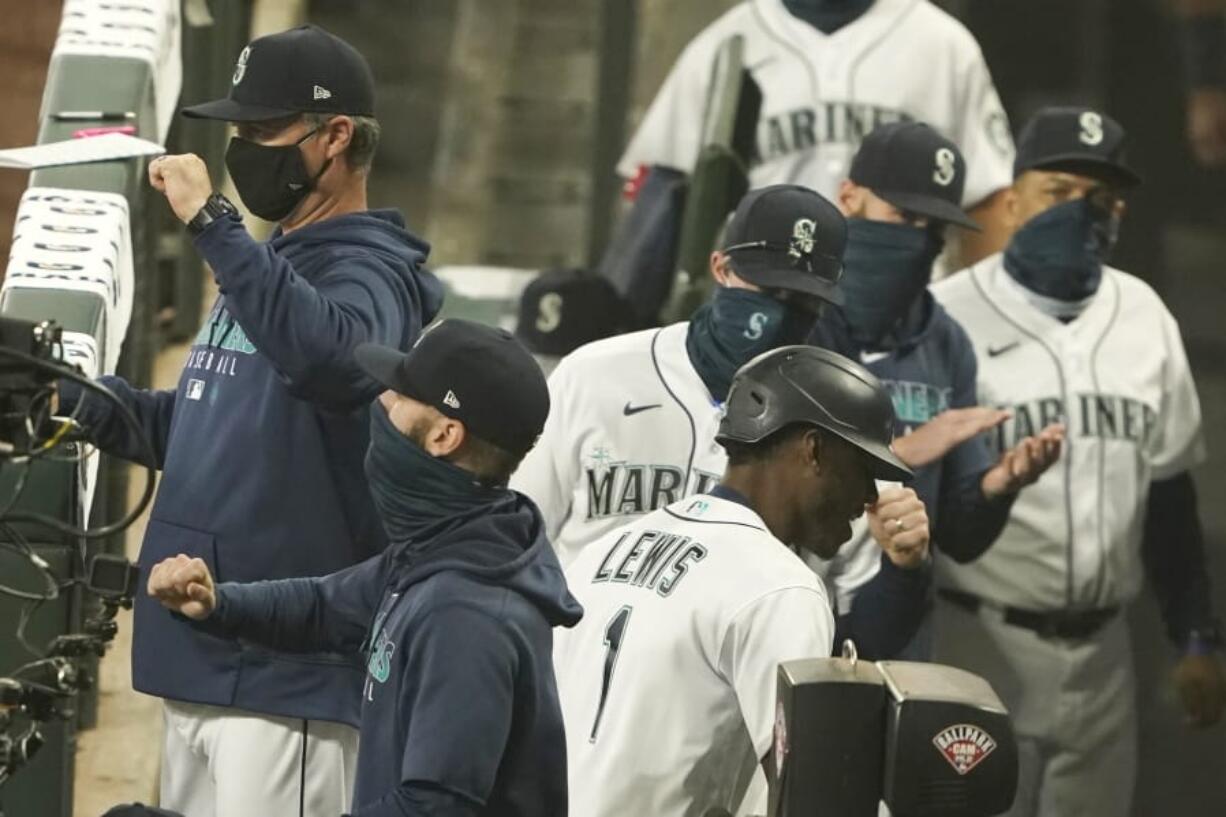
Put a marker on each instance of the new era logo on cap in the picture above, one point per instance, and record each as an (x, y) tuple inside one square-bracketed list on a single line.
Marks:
[(321, 93), (451, 400)]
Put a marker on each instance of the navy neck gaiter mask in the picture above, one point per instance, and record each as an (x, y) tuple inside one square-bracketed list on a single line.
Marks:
[(827, 16), (413, 490), (1060, 252), (736, 326), (886, 267)]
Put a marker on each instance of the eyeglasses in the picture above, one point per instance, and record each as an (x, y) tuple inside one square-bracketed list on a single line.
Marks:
[(802, 258)]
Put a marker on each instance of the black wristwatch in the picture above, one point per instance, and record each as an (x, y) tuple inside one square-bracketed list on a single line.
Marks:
[(215, 207)]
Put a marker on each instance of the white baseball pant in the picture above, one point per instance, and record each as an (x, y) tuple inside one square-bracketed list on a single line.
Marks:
[(220, 762)]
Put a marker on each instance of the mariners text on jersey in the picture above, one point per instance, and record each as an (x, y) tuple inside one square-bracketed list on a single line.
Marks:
[(627, 489), (1105, 416), (832, 122)]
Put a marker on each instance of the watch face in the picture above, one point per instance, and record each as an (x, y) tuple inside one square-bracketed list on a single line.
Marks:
[(221, 205)]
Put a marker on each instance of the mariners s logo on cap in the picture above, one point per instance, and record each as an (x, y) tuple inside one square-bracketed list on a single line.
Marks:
[(802, 241), (1091, 128), (946, 167), (240, 67)]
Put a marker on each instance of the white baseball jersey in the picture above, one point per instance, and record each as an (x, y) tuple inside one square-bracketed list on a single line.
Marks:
[(631, 428), (821, 93), (668, 685), (1118, 377)]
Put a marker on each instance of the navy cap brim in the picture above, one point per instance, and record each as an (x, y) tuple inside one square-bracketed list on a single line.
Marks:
[(1085, 164), (228, 110), (382, 364), (930, 206), (762, 268)]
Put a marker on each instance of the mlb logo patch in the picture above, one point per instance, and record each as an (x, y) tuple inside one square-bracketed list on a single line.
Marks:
[(965, 746), (195, 389)]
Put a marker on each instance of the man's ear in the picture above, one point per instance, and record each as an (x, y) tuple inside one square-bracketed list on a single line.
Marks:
[(812, 449), (339, 133), (445, 436), (850, 198), (718, 268), (452, 437)]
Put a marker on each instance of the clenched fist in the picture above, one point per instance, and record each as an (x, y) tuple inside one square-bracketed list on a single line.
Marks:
[(184, 180), (184, 585), (899, 523)]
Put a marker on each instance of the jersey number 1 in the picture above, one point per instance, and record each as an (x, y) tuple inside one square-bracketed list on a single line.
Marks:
[(614, 634)]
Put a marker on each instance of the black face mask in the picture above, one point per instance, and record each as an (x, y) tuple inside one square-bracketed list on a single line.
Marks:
[(271, 179), (886, 267), (1060, 252)]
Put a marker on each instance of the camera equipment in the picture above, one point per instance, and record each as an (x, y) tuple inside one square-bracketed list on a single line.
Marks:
[(45, 689), (25, 390)]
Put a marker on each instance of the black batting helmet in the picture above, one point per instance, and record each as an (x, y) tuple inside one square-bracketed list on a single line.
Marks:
[(804, 384)]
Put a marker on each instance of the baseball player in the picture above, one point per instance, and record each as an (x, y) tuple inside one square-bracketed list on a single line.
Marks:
[(905, 186), (634, 419), (1062, 336), (829, 73), (667, 685)]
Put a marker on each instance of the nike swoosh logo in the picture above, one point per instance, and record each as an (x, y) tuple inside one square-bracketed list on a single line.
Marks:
[(993, 351), (629, 409), (872, 357)]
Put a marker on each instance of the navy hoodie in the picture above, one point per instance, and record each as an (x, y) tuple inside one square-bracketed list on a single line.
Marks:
[(261, 446), (460, 712)]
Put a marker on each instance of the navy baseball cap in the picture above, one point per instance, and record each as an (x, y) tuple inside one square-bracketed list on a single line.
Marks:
[(788, 237), (562, 309), (303, 70), (477, 374), (915, 169), (1077, 140)]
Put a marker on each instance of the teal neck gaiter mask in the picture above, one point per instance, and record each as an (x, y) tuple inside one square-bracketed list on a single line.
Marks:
[(736, 326)]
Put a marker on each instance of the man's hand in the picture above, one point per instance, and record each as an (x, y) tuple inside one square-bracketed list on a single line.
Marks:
[(1024, 463), (1207, 125), (1201, 684), (184, 180), (184, 585), (899, 523), (945, 432)]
